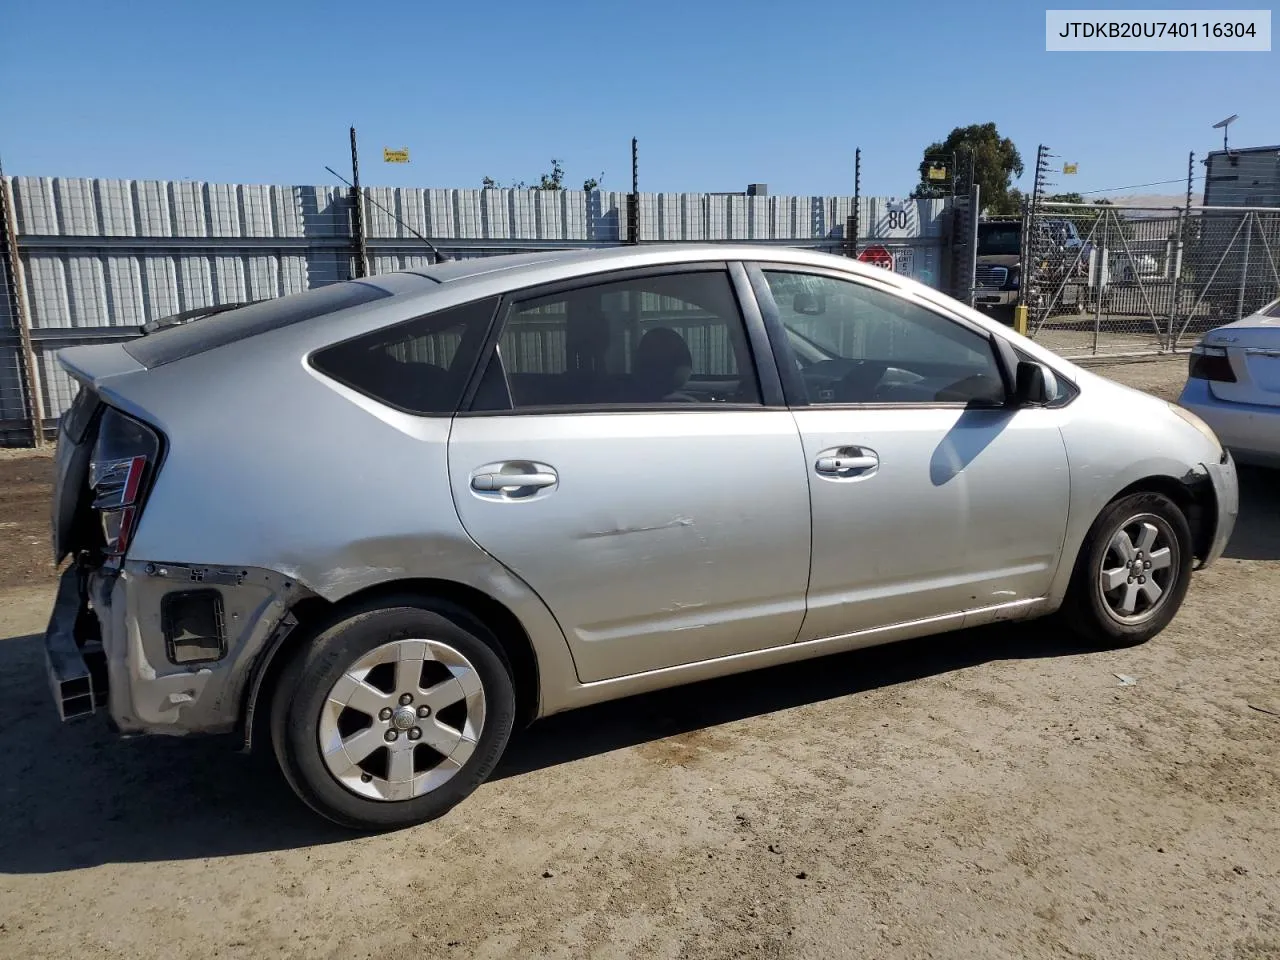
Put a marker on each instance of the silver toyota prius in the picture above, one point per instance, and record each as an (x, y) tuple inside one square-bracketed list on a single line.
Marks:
[(383, 522)]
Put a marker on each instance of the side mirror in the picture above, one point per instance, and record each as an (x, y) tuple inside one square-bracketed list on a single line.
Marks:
[(809, 304), (1034, 385)]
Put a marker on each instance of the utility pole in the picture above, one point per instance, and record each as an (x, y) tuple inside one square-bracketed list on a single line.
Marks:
[(357, 201)]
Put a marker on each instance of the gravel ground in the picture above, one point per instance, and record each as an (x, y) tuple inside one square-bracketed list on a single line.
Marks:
[(995, 793)]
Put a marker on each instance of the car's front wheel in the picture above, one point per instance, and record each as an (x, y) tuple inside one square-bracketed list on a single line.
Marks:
[(393, 714), (1132, 573)]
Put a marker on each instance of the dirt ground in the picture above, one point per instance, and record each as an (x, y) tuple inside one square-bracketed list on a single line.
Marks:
[(996, 793)]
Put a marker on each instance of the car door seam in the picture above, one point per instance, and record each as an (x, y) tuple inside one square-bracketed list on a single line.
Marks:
[(457, 512)]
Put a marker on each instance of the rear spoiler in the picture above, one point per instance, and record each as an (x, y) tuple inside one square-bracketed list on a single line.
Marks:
[(93, 363), (186, 316)]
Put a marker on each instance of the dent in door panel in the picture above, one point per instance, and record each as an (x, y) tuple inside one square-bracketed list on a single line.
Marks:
[(669, 538)]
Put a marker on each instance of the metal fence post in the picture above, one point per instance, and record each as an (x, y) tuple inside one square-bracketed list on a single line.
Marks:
[(33, 402), (1244, 266), (357, 224), (633, 198), (971, 241), (857, 202), (1175, 295), (1104, 278)]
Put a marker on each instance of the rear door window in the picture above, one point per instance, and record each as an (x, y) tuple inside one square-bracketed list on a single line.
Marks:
[(421, 366), (674, 338)]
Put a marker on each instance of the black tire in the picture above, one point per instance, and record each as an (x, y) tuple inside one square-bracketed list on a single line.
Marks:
[(305, 683), (1086, 610)]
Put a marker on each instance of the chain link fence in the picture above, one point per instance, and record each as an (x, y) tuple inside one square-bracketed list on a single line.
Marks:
[(1105, 280)]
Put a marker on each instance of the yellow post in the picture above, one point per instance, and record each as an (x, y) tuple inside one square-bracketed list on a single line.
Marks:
[(1020, 319)]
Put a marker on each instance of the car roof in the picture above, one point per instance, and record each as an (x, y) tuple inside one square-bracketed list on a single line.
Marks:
[(449, 271), (323, 313), (516, 269)]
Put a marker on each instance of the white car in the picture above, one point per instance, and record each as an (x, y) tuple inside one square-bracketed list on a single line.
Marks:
[(1233, 384)]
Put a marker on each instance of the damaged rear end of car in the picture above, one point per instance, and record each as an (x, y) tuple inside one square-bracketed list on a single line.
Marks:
[(160, 640), (105, 463), (140, 639)]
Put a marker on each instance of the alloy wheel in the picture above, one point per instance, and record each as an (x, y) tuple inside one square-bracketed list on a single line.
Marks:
[(1139, 569), (402, 720)]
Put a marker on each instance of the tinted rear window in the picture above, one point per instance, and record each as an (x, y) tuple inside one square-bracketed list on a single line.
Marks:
[(189, 339), (421, 366)]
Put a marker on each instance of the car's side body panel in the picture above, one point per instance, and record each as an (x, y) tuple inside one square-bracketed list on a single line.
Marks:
[(958, 506), (965, 509), (668, 537), (584, 694), (1116, 437)]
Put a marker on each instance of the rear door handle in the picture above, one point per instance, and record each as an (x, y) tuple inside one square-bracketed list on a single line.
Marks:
[(512, 481), (845, 464)]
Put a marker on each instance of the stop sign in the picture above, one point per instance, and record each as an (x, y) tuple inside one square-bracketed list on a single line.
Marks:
[(877, 256)]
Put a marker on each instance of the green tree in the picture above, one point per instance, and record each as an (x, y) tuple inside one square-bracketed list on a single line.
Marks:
[(552, 180), (994, 159)]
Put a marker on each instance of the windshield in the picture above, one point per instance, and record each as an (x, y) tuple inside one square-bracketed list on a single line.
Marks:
[(999, 239)]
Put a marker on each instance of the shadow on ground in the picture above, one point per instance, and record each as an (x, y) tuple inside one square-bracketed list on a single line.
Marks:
[(1257, 533), (75, 796)]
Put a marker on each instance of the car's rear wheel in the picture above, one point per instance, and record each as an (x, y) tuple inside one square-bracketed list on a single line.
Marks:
[(1132, 573), (392, 715)]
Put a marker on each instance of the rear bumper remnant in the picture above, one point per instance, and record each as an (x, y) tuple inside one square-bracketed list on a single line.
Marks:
[(71, 682)]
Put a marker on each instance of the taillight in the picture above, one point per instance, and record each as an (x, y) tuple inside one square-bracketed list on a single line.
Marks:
[(124, 461), (1210, 363)]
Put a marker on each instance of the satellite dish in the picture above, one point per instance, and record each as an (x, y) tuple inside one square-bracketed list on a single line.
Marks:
[(1223, 125)]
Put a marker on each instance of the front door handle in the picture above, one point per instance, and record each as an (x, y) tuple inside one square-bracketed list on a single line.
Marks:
[(845, 464), (849, 462), (512, 481)]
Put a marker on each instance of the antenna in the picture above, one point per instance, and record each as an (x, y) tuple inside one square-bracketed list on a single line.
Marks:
[(1223, 125), (440, 257)]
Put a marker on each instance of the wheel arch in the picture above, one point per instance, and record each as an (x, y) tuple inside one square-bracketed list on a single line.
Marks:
[(1191, 490), (1193, 494), (313, 614)]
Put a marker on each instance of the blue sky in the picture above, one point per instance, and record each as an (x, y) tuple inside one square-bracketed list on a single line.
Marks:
[(718, 94)]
